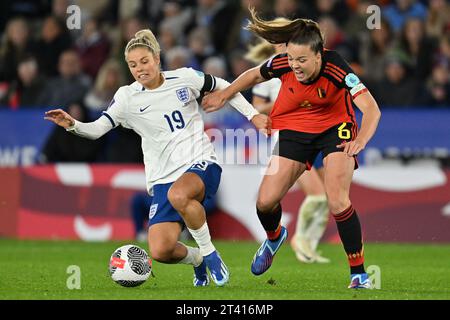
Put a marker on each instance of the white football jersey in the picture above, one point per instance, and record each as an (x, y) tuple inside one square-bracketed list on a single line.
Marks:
[(268, 89), (169, 122)]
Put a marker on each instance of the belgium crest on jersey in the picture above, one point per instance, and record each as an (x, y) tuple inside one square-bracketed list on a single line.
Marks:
[(183, 95)]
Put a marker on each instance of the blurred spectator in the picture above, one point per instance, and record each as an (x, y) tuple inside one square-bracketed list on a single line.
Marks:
[(438, 18), (217, 16), (98, 8), (29, 9), (179, 57), (373, 51), (126, 8), (443, 55), (27, 90), (176, 19), (127, 30), (356, 25), (59, 8), (335, 39), (397, 88), (401, 10), (70, 85), (200, 45), (238, 65), (109, 79), (64, 147), (168, 35), (16, 44), (54, 39), (337, 9), (438, 87), (215, 66), (151, 11), (417, 47), (292, 9), (93, 48)]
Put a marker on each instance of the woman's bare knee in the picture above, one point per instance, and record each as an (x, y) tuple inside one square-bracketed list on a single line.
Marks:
[(162, 240), (266, 203), (162, 253), (338, 203), (178, 198)]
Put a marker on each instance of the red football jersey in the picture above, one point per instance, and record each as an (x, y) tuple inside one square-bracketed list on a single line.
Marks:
[(316, 106)]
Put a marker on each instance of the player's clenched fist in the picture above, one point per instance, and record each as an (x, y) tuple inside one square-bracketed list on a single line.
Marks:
[(262, 122), (60, 117)]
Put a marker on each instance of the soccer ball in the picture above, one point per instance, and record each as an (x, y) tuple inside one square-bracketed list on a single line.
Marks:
[(130, 266)]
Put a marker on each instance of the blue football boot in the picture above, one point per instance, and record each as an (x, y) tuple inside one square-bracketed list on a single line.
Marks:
[(217, 269), (264, 256), (201, 278), (360, 281)]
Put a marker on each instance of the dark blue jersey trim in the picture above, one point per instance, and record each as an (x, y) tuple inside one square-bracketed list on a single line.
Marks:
[(109, 118)]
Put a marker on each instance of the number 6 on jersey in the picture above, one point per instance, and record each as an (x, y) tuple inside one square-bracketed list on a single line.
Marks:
[(343, 133)]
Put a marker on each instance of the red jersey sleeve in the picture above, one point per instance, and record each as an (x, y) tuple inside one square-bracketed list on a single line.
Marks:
[(341, 74), (275, 67)]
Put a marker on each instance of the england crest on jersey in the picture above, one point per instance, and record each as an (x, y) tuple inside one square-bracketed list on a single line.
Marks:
[(183, 95)]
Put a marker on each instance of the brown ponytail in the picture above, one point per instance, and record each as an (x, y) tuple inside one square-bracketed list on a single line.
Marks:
[(298, 31)]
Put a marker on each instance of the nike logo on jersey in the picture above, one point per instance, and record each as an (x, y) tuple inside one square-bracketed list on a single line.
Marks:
[(143, 109)]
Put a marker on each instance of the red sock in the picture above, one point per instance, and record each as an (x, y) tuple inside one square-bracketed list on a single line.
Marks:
[(350, 233), (274, 235)]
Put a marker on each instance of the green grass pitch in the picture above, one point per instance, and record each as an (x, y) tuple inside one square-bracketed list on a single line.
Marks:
[(38, 270)]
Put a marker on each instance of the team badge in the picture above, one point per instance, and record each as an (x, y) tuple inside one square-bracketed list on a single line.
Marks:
[(306, 104), (201, 165), (183, 95), (153, 210), (351, 80)]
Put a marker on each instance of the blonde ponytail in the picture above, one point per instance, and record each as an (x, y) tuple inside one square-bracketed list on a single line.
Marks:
[(260, 52), (144, 38)]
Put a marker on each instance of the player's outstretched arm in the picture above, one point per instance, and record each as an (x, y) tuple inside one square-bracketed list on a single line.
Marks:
[(215, 100), (60, 117), (260, 121), (91, 130)]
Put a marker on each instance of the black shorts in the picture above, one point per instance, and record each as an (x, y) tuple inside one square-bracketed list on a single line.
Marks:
[(304, 147)]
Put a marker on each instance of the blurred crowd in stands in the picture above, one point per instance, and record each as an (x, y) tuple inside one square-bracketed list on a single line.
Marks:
[(405, 63)]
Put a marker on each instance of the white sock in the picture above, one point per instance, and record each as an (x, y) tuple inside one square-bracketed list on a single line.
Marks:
[(319, 224), (312, 218), (193, 256), (203, 239)]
